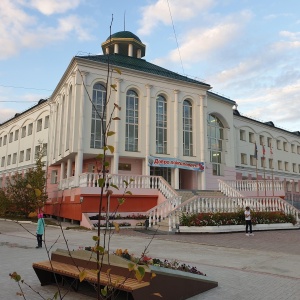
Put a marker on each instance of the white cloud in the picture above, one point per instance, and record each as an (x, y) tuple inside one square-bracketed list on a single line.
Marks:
[(49, 7), (279, 105), (181, 11), (19, 30)]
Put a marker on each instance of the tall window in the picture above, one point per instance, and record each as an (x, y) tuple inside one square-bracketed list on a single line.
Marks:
[(132, 119), (161, 125), (215, 143), (187, 119), (97, 111)]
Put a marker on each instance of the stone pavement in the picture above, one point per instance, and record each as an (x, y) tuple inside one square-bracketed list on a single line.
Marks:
[(265, 266)]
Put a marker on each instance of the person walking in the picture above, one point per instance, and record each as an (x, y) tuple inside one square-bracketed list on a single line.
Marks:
[(40, 230), (248, 221)]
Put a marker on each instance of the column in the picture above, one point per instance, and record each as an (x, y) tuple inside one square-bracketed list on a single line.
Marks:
[(115, 160), (116, 48), (79, 156), (148, 129), (62, 171), (130, 50), (203, 146), (69, 168), (175, 137)]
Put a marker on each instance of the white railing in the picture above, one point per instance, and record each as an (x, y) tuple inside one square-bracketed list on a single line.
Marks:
[(136, 182), (228, 190), (199, 204), (256, 185)]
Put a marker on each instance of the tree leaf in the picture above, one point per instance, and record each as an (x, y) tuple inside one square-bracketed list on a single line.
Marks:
[(114, 186), (110, 133), (100, 156), (128, 192), (121, 201), (114, 87), (117, 70), (117, 106), (131, 266), (101, 182), (117, 227), (126, 183), (82, 275), (99, 249), (140, 273), (96, 238), (104, 291), (38, 192), (153, 275), (111, 149), (116, 119)]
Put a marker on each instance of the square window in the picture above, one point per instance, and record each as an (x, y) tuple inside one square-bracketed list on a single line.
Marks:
[(8, 159), (39, 125), (2, 161), (243, 158), (278, 142), (28, 154), (30, 127), (16, 135), (279, 165), (251, 137), (14, 158), (270, 163), (46, 125), (261, 140), (285, 146), (23, 134), (21, 159), (242, 135), (5, 140), (11, 137), (53, 176), (252, 160)]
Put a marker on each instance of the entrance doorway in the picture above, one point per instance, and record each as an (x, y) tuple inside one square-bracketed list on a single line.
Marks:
[(163, 172)]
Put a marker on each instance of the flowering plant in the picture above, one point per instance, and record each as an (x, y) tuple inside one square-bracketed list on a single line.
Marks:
[(146, 260), (234, 218)]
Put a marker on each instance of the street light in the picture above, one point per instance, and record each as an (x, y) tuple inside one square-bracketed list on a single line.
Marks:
[(292, 193)]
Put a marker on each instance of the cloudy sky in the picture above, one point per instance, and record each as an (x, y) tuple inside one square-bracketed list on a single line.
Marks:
[(247, 50)]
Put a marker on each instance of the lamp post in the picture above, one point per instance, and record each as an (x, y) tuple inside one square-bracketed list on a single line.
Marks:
[(292, 192)]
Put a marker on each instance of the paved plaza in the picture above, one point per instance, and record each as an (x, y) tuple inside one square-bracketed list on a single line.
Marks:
[(265, 266)]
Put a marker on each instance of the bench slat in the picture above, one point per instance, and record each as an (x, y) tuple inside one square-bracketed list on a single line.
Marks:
[(120, 282)]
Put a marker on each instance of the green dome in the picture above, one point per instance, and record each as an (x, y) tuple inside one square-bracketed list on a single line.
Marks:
[(124, 35)]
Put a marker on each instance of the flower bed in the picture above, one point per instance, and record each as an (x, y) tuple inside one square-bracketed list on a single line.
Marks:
[(234, 218)]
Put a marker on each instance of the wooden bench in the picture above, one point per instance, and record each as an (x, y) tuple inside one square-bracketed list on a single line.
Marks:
[(45, 271)]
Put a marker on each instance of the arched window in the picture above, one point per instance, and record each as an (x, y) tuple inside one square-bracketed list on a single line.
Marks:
[(132, 121), (187, 120), (161, 125), (215, 143), (99, 94)]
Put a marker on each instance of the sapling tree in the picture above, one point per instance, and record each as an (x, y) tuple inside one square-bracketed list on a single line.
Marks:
[(107, 116)]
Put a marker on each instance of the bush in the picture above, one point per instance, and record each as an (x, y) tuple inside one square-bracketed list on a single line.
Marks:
[(234, 218)]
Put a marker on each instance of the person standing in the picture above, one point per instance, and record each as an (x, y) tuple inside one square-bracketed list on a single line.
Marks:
[(40, 230), (248, 221)]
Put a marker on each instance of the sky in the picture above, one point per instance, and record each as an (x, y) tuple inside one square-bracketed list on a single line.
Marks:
[(247, 50)]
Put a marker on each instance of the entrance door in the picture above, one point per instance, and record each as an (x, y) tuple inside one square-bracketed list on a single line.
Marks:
[(163, 172)]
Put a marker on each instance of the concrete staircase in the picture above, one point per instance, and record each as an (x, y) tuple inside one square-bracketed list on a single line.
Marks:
[(163, 226), (188, 194)]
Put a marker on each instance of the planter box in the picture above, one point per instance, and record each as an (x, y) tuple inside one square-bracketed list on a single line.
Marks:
[(168, 284), (235, 228)]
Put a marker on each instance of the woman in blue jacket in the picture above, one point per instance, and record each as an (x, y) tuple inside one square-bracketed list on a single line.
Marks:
[(40, 230)]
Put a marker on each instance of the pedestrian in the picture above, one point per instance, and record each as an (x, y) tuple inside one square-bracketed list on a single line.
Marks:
[(248, 221), (40, 230)]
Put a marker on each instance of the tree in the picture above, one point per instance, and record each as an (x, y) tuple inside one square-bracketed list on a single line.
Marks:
[(26, 192)]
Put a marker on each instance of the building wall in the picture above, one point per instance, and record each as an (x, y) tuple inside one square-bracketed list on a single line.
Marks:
[(18, 154)]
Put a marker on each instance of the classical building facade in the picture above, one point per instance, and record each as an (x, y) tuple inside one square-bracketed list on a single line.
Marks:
[(170, 126)]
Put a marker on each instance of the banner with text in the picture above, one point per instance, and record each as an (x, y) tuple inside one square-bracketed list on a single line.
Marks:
[(175, 163)]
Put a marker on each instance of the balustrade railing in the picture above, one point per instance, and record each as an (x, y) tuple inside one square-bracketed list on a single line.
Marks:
[(199, 204), (256, 185)]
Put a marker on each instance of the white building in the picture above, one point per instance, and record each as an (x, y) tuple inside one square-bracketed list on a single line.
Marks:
[(166, 120)]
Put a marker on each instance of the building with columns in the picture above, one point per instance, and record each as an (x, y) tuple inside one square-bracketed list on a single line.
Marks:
[(170, 126)]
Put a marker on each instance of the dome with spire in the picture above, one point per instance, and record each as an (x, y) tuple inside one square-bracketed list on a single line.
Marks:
[(124, 43)]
